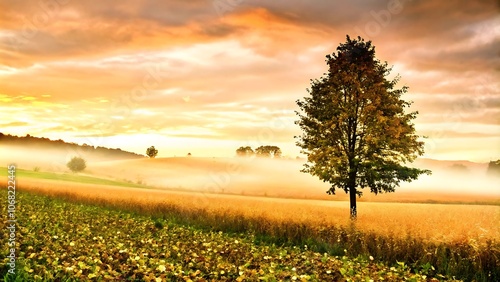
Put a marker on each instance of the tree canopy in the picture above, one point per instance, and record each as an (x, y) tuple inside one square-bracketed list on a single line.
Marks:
[(152, 152), (268, 151), (76, 164), (356, 132), (244, 151)]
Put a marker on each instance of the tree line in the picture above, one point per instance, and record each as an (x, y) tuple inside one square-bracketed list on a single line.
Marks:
[(261, 151)]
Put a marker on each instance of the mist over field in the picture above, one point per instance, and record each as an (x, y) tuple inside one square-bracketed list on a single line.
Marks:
[(253, 176)]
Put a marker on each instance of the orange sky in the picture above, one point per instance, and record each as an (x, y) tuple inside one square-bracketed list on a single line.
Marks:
[(208, 76)]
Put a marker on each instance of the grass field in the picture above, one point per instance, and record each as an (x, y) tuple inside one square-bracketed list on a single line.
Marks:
[(455, 240), (63, 241), (403, 238), (71, 177)]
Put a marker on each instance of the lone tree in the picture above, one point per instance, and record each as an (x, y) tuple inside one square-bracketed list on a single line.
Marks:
[(152, 152), (356, 133), (244, 151), (268, 151), (76, 164)]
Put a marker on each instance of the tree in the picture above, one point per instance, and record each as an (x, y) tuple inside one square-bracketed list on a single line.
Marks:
[(244, 151), (152, 152), (356, 133), (459, 168), (268, 151), (76, 164), (494, 168)]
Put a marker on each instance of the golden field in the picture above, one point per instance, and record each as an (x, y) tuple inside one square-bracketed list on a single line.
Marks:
[(447, 221), (430, 222), (278, 191)]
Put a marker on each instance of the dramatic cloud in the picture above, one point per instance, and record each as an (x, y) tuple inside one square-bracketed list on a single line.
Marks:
[(206, 76)]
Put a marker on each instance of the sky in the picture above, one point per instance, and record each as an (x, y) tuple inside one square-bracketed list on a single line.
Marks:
[(209, 76)]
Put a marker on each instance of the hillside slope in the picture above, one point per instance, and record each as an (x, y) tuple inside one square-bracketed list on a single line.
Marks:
[(52, 155)]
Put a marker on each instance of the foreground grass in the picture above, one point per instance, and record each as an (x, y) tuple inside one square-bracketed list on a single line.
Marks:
[(72, 177), (468, 259), (472, 256), (61, 241)]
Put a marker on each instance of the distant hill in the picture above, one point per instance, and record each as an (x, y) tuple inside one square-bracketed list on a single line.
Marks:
[(39, 144)]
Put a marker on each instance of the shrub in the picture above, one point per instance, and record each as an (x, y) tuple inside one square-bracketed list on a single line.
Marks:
[(76, 164)]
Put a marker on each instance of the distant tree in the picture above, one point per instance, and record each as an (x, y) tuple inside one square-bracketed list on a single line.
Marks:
[(262, 151), (76, 164), (459, 168), (275, 151), (268, 151), (494, 168), (152, 152), (356, 133), (189, 154), (244, 151)]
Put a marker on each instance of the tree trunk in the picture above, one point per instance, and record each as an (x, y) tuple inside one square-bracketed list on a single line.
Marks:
[(352, 197)]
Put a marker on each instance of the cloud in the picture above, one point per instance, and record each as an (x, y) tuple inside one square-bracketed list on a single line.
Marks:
[(14, 124), (181, 69)]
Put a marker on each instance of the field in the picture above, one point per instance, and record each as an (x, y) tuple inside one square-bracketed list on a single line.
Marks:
[(305, 236), (71, 177), (98, 244)]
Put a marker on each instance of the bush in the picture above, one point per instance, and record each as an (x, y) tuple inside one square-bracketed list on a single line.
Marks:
[(76, 164)]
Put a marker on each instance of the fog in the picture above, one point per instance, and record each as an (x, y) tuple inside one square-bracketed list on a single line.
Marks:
[(253, 176), (53, 160)]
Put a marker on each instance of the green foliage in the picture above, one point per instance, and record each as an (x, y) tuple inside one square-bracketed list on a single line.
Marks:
[(152, 152), (356, 132), (76, 164), (244, 151), (85, 243)]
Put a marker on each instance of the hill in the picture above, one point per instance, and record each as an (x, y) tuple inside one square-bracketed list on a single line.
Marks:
[(29, 151), (241, 176), (282, 178)]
